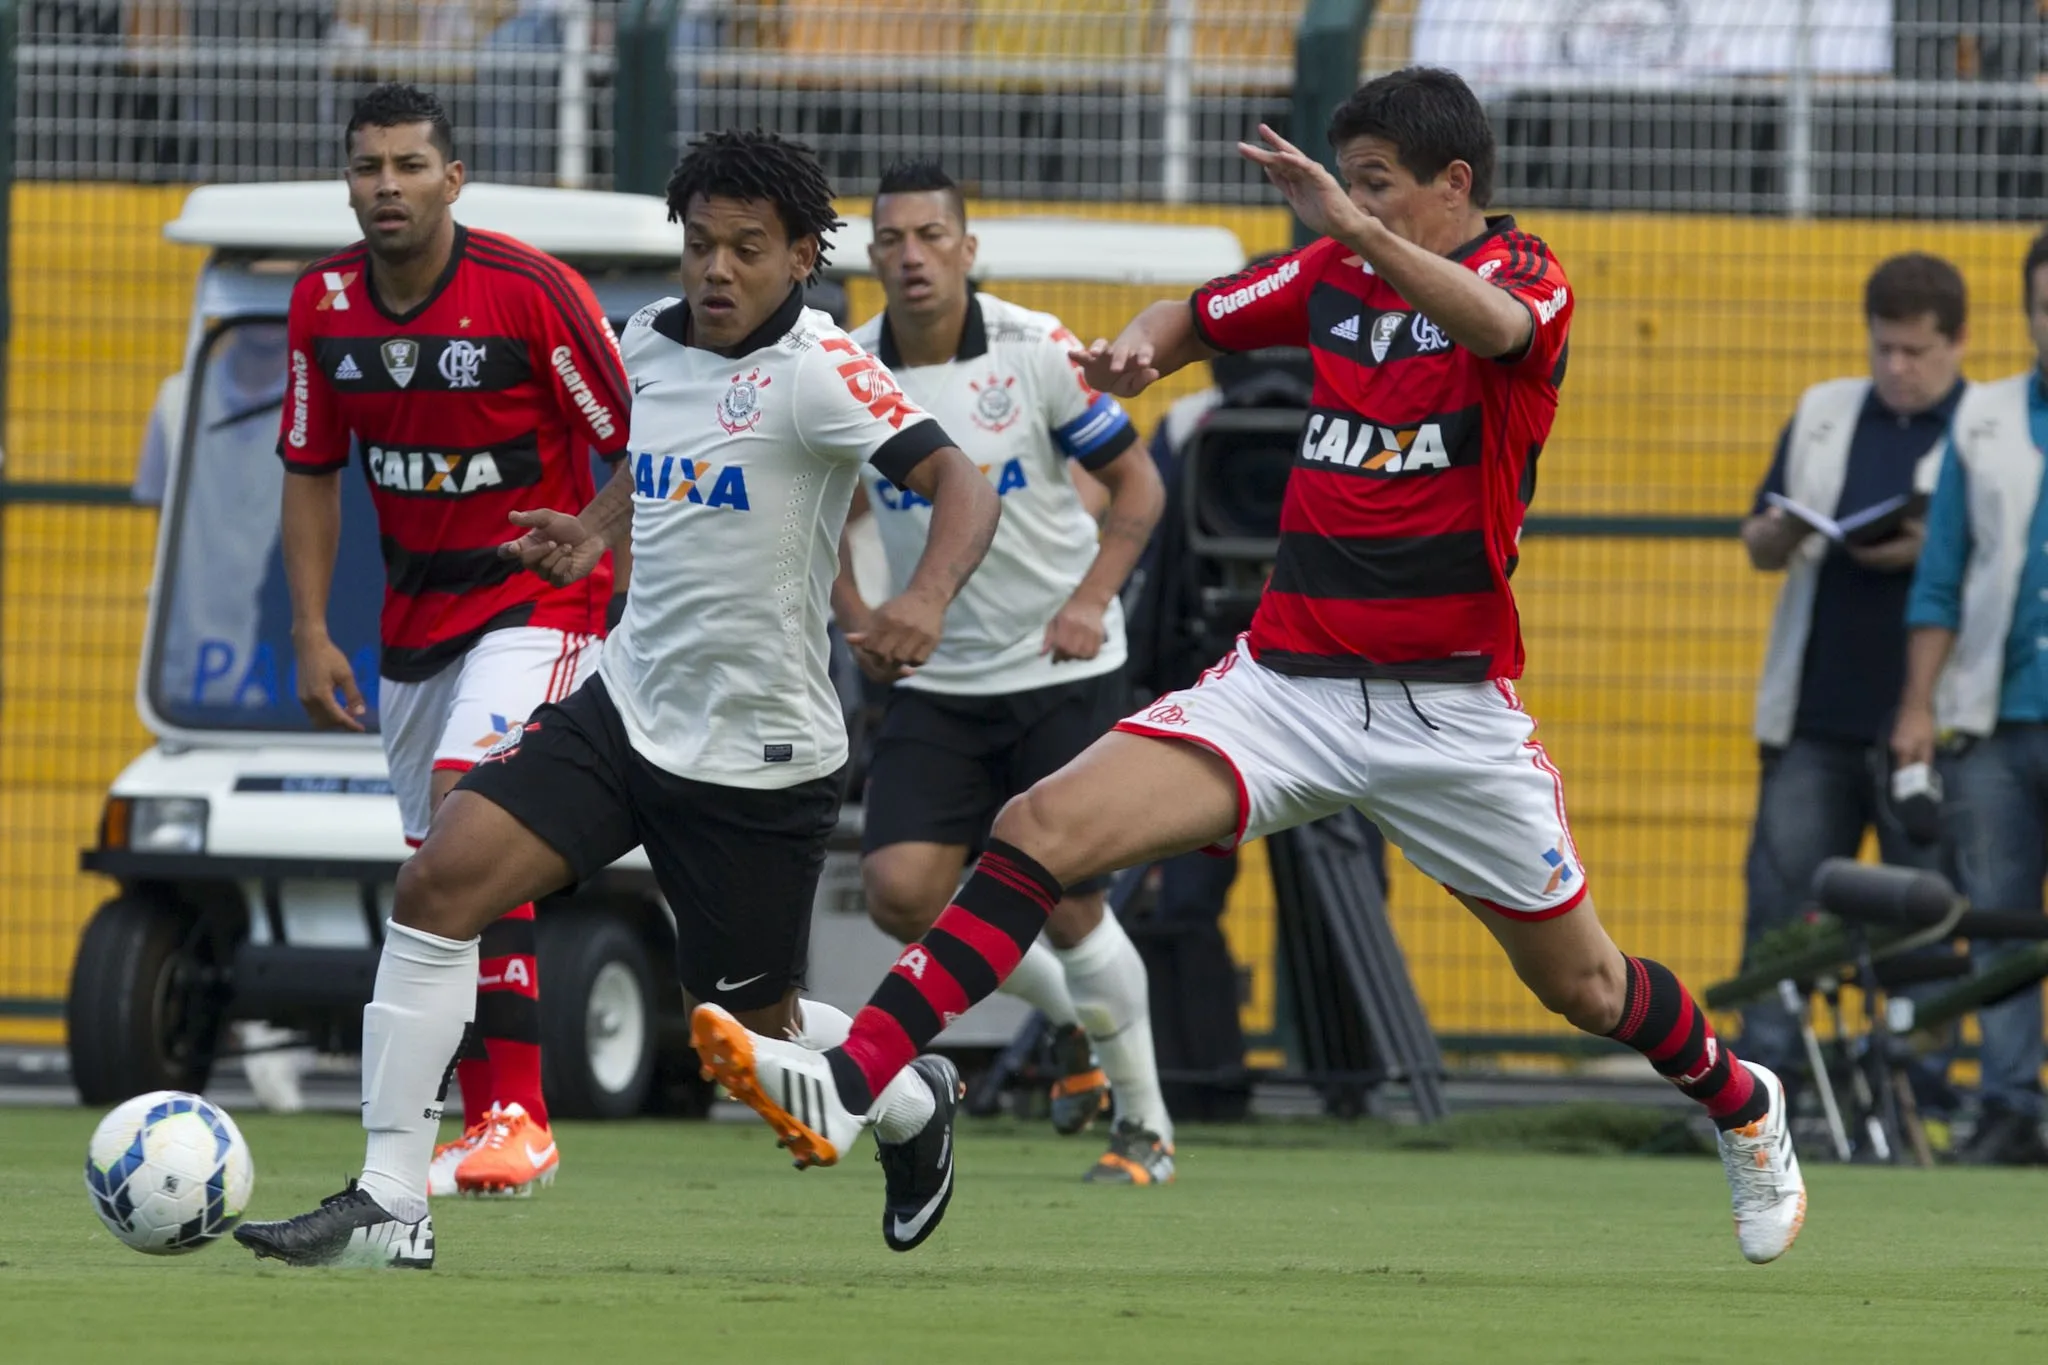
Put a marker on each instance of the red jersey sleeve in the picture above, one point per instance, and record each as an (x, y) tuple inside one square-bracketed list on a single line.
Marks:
[(1263, 305), (583, 362), (1524, 267), (313, 436)]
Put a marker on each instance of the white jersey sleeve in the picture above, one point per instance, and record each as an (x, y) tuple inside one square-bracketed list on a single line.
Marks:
[(851, 410), (1089, 427)]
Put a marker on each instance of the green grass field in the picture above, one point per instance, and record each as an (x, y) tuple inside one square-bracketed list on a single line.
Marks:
[(697, 1243)]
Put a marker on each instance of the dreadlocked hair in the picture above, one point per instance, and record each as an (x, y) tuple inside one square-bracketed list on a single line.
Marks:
[(758, 165)]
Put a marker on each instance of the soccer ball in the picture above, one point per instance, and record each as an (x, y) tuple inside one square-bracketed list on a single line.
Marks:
[(168, 1172)]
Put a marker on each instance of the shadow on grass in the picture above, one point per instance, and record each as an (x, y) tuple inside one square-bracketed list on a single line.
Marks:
[(1594, 1129)]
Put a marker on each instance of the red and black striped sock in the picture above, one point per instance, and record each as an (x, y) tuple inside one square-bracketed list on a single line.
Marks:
[(1661, 1020), (508, 1014), (977, 941)]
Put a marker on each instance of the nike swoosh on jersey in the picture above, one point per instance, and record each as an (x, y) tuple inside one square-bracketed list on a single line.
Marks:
[(724, 985), (542, 1155), (903, 1229)]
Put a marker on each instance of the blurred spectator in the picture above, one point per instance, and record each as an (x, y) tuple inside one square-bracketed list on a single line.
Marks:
[(1838, 642), (1977, 675)]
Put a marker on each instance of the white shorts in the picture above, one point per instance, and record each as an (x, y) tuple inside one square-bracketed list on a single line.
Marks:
[(1450, 772), (446, 722)]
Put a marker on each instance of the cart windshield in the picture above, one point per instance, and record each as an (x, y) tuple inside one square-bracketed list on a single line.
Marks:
[(222, 655)]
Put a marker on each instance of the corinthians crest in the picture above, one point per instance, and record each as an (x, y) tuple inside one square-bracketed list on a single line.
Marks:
[(740, 408), (401, 358), (995, 408)]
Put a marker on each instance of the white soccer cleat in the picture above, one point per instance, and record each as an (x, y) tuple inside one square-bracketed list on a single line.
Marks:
[(789, 1086), (1763, 1176), (449, 1156)]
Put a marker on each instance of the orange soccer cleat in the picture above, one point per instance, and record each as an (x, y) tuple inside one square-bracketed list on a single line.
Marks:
[(517, 1155)]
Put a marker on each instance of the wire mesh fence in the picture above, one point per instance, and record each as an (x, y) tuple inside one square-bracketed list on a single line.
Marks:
[(1717, 177)]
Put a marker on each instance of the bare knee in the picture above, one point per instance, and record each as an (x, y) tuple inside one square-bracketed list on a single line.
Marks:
[(1589, 995), (903, 918), (1033, 821), (903, 901), (435, 898)]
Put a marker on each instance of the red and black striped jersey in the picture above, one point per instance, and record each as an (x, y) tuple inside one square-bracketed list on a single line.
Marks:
[(481, 401), (1403, 509)]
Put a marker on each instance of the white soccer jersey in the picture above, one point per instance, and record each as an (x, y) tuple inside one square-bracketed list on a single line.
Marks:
[(1020, 410), (743, 469)]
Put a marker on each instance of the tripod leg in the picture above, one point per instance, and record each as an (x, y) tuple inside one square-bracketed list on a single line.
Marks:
[(1796, 1004)]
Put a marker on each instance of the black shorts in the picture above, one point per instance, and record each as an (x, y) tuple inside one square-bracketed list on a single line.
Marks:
[(944, 765), (739, 866)]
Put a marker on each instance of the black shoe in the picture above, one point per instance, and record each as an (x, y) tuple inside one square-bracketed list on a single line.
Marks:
[(2004, 1137), (1082, 1090), (348, 1229), (917, 1173), (1136, 1156)]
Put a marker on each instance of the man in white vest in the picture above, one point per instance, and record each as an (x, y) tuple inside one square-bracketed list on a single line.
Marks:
[(1838, 642), (1977, 682)]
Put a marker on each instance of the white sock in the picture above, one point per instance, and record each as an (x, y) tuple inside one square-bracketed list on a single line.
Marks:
[(824, 1026), (1113, 999), (1041, 983), (426, 996), (906, 1106)]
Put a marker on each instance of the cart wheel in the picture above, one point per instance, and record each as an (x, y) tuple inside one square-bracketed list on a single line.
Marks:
[(141, 1014), (596, 1015)]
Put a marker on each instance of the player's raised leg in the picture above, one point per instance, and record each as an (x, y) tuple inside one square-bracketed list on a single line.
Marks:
[(1126, 800), (1576, 970), (1455, 749), (476, 861), (909, 882)]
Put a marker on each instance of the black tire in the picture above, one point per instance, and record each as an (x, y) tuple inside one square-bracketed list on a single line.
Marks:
[(590, 1068), (138, 1017)]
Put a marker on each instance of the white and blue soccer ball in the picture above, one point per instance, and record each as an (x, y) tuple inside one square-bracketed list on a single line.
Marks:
[(168, 1172)]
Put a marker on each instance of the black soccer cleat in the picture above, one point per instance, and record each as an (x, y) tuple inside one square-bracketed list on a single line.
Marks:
[(1082, 1091), (348, 1229), (1136, 1156), (917, 1173)]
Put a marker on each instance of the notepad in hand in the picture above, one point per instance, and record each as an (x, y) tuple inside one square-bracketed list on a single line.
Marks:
[(1872, 525)]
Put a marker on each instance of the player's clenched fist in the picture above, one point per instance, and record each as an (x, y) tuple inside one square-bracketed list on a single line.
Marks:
[(556, 546), (900, 634)]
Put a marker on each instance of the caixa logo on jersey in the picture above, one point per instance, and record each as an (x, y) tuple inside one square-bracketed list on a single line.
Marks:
[(1347, 441), (1008, 476), (678, 478), (451, 474)]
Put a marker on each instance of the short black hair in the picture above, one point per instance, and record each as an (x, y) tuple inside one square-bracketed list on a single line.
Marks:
[(1914, 285), (922, 177), (2037, 256), (394, 105), (758, 165), (1432, 118)]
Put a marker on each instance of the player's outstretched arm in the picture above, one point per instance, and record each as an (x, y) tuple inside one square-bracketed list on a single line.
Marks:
[(561, 548), (902, 632), (1136, 498), (309, 535), (1151, 346)]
